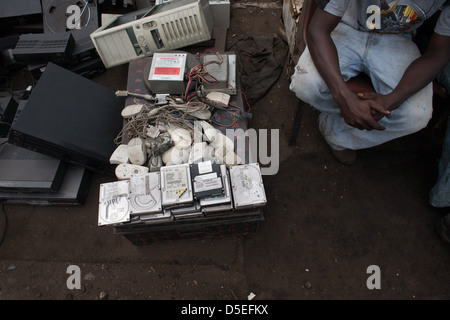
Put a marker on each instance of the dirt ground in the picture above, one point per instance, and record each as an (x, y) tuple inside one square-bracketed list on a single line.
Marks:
[(325, 224)]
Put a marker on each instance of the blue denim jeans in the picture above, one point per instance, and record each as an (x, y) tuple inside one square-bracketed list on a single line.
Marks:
[(384, 58), (440, 193)]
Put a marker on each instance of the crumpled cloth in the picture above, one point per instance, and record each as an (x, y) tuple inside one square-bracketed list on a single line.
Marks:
[(261, 62)]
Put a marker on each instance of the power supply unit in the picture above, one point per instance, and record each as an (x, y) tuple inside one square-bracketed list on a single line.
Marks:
[(167, 73)]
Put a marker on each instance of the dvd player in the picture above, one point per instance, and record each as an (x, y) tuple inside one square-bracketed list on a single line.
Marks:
[(70, 118), (73, 191)]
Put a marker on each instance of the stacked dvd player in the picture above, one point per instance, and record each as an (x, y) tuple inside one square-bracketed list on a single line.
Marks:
[(184, 201)]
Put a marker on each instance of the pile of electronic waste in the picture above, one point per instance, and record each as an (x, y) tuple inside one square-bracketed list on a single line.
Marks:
[(89, 36), (172, 163), (165, 142)]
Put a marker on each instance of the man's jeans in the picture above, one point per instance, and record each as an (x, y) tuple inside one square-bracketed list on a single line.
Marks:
[(440, 193), (384, 57)]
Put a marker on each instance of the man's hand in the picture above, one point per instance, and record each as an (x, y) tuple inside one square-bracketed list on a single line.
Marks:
[(363, 111), (381, 100)]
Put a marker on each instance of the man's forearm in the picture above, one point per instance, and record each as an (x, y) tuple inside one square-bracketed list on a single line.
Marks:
[(421, 72), (325, 58)]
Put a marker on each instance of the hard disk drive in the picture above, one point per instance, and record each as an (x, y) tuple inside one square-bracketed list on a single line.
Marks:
[(221, 199), (247, 186), (176, 188), (145, 194), (206, 179), (187, 212), (159, 217), (114, 203)]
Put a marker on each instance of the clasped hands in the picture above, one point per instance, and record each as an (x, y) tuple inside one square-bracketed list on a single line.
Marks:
[(365, 110)]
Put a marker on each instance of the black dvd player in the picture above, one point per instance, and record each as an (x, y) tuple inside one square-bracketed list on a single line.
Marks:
[(71, 118), (24, 170), (73, 191)]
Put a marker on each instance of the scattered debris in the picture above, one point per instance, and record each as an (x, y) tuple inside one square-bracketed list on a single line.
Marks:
[(103, 295), (89, 277)]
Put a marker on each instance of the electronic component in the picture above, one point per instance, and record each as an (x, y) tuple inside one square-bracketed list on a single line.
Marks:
[(224, 73), (217, 68), (124, 171), (176, 186), (227, 156), (23, 170), (132, 110), (137, 153), (120, 155), (247, 186), (220, 11), (152, 132), (42, 48), (206, 179), (73, 191), (155, 163), (8, 109), (145, 194), (218, 99), (156, 217), (59, 17), (222, 203), (218, 209), (224, 150), (181, 137), (221, 199), (163, 28), (187, 212), (114, 203), (200, 151), (71, 100), (19, 8), (175, 156), (167, 73)]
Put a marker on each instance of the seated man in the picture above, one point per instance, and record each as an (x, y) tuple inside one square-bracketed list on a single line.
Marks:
[(348, 37), (440, 193)]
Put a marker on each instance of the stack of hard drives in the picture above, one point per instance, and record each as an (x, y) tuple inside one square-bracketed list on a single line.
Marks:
[(183, 197)]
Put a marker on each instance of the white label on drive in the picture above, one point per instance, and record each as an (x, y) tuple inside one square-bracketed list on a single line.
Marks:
[(204, 167), (207, 184)]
